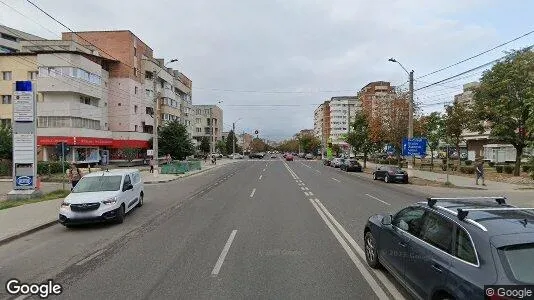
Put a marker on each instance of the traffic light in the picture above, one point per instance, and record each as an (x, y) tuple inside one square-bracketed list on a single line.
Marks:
[(62, 148), (256, 131)]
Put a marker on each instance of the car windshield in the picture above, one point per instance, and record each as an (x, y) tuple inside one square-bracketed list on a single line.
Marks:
[(98, 184), (520, 259)]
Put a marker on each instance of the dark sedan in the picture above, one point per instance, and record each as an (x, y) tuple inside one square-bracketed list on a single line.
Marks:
[(351, 165), (390, 174), (289, 157), (327, 161)]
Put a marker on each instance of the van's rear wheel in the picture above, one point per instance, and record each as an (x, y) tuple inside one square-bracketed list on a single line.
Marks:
[(119, 218)]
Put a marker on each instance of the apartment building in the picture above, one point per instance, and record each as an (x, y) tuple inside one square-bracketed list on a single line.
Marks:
[(321, 122), (95, 91), (342, 112), (375, 97), (208, 123), (10, 39), (244, 140)]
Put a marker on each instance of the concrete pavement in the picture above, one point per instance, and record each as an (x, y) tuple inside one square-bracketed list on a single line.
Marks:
[(254, 229), (22, 220), (460, 181)]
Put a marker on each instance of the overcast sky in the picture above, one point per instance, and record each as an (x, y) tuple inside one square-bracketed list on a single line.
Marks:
[(297, 52)]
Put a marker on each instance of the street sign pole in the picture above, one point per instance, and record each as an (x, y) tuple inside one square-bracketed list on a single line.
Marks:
[(63, 165)]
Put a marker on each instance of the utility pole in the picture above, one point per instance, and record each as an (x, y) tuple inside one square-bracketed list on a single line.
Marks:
[(348, 127), (156, 124), (211, 131), (233, 138), (410, 117)]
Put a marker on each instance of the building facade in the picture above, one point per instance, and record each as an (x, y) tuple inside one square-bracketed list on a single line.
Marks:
[(375, 97), (208, 123), (11, 38), (342, 112), (95, 91)]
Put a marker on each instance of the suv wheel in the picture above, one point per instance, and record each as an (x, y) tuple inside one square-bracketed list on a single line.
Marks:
[(374, 176), (140, 203), (386, 179), (371, 252), (119, 218)]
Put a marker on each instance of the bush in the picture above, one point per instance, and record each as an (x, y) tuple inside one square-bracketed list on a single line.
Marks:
[(50, 167), (526, 168), (491, 164), (508, 169), (5, 167), (499, 169), (468, 162), (467, 169)]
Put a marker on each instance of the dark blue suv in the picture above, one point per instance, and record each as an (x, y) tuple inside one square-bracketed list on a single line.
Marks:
[(449, 248)]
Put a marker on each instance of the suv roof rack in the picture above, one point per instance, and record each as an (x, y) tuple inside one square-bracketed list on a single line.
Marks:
[(462, 212), (499, 199)]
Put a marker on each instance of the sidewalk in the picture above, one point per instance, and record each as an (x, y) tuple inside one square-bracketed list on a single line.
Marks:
[(460, 181), (22, 220)]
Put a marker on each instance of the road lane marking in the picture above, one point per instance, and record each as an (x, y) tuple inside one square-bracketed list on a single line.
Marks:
[(377, 199), (306, 189), (318, 171), (335, 179), (253, 191), (263, 170), (380, 293), (302, 188), (260, 177), (220, 261), (385, 281), (90, 257), (310, 194), (307, 193)]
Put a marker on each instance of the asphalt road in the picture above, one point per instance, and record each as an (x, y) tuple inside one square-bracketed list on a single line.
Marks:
[(264, 229)]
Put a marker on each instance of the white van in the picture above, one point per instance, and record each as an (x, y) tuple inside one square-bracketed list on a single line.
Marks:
[(103, 196)]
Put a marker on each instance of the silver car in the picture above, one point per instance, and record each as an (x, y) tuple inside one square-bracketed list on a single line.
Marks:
[(336, 162)]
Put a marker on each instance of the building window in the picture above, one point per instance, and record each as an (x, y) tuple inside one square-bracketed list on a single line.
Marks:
[(135, 90), (198, 120), (135, 71), (69, 122), (6, 99), (199, 130), (32, 75), (135, 108), (135, 128), (9, 37), (148, 75), (135, 52), (6, 75), (119, 104)]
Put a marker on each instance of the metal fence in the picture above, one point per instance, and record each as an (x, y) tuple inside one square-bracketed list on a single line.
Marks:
[(180, 167)]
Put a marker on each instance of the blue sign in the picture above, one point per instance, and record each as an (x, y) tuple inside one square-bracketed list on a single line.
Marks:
[(24, 181), (390, 149), (23, 86), (415, 146)]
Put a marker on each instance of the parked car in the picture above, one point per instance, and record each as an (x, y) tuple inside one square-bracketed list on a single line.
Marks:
[(336, 162), (236, 156), (217, 155), (103, 196), (289, 157), (351, 165), (390, 174), (449, 248), (327, 161), (273, 155), (308, 156), (256, 155)]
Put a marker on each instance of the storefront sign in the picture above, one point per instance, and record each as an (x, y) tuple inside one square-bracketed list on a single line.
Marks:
[(23, 106)]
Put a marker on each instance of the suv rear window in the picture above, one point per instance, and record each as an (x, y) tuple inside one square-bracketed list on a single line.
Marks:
[(520, 259), (464, 247)]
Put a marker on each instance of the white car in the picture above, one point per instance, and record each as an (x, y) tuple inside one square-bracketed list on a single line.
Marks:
[(236, 156), (103, 196)]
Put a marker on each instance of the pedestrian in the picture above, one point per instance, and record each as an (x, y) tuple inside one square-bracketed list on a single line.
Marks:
[(74, 175), (480, 172), (205, 158), (151, 163)]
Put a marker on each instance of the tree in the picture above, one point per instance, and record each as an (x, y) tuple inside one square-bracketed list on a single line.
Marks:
[(173, 140), (336, 149), (291, 145), (396, 123), (258, 145), (230, 143), (130, 154), (221, 147), (6, 142), (360, 137), (456, 121), (504, 101), (205, 144), (309, 143), (434, 131)]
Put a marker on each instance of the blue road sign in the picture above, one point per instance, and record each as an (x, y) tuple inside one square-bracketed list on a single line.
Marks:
[(24, 180), (415, 146), (390, 149)]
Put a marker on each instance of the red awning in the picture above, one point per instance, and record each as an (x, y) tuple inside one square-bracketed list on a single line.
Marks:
[(90, 141)]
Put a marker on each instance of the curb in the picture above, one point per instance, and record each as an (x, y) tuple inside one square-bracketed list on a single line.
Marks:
[(27, 232), (184, 175)]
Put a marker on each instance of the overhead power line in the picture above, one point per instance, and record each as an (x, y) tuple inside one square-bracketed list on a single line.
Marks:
[(477, 55)]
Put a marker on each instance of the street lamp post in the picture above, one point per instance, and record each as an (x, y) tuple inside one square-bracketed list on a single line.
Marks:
[(155, 111), (410, 104)]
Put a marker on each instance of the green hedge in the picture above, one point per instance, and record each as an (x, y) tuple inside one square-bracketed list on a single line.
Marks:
[(526, 168), (491, 164), (468, 162), (508, 169), (5, 168), (50, 167), (499, 168)]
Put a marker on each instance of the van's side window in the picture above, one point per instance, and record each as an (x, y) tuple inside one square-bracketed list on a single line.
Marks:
[(127, 181), (136, 178)]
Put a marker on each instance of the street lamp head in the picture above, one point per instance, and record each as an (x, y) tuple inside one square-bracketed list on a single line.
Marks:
[(173, 60), (392, 60)]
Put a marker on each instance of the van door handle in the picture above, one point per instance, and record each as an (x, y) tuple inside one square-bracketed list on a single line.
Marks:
[(437, 267), (402, 244)]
